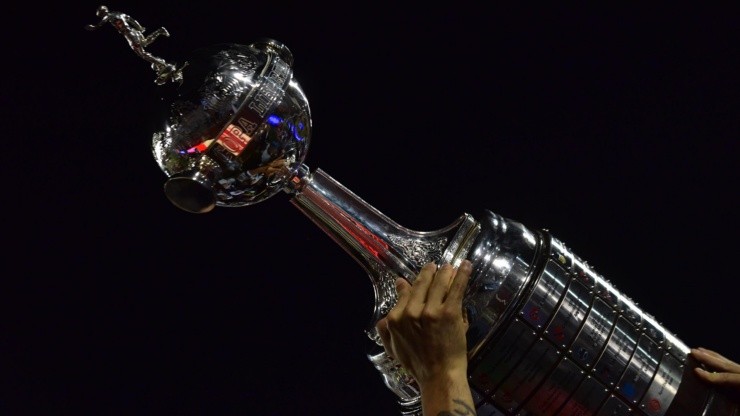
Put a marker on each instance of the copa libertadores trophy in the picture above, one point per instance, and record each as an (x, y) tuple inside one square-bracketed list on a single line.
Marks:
[(548, 334)]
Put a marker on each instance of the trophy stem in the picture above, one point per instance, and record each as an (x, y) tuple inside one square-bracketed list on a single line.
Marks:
[(385, 249)]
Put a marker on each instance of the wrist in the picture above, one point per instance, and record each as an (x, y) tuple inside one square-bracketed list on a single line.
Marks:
[(447, 393), (444, 381), (440, 373)]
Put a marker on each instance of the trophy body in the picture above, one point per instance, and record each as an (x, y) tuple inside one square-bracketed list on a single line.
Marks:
[(548, 335)]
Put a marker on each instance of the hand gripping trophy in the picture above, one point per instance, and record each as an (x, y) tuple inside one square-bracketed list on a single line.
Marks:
[(548, 335)]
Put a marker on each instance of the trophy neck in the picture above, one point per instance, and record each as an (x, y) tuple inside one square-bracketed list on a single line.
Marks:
[(385, 249)]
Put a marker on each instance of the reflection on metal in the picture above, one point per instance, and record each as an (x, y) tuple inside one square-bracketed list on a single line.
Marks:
[(133, 32), (548, 335)]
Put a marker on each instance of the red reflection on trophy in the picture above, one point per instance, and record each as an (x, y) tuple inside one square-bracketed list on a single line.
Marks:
[(233, 139)]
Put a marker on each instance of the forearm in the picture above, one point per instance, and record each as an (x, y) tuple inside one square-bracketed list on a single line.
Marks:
[(96, 25), (447, 396)]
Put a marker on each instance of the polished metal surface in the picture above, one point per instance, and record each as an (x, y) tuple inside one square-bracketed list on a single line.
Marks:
[(548, 335), (238, 124), (238, 129), (575, 330)]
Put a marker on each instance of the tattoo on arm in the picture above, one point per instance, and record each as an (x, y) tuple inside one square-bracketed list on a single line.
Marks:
[(463, 410)]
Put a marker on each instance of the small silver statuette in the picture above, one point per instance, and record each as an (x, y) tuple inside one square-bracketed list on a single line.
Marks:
[(133, 31)]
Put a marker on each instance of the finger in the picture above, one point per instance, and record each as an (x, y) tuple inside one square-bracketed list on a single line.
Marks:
[(403, 289), (708, 352), (719, 379), (715, 360), (421, 285), (717, 355), (459, 284), (440, 284), (385, 335)]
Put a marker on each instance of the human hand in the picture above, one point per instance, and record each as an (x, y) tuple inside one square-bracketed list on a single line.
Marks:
[(425, 330), (725, 374)]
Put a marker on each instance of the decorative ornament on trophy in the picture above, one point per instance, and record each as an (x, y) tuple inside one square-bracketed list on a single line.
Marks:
[(548, 335)]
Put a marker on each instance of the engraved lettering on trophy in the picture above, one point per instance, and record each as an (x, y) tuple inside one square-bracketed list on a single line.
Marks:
[(597, 332), (279, 72), (667, 379), (550, 292), (265, 96), (645, 369), (620, 349), (248, 126), (638, 372), (570, 314), (594, 334), (664, 386), (546, 294)]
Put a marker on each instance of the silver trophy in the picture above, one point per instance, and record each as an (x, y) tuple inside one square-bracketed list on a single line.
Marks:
[(548, 334)]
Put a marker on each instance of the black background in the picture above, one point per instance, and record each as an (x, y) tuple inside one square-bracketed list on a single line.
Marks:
[(614, 128)]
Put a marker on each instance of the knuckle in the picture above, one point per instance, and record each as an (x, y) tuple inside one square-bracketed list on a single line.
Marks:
[(430, 315), (448, 314)]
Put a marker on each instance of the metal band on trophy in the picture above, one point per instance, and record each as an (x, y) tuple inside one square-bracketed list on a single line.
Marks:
[(548, 334)]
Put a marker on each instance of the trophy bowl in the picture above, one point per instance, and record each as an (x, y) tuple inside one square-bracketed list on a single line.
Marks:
[(238, 129)]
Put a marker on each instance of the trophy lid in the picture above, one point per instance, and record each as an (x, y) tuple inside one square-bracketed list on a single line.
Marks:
[(238, 126)]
